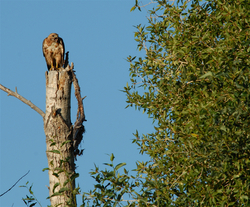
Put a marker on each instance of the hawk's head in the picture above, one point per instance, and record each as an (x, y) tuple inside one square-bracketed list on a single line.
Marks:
[(53, 37)]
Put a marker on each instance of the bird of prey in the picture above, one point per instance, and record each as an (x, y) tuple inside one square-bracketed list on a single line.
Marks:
[(53, 51)]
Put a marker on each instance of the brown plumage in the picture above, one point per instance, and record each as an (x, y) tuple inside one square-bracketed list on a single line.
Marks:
[(53, 51)]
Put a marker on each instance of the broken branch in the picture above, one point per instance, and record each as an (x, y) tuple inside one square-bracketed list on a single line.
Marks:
[(24, 100), (78, 129)]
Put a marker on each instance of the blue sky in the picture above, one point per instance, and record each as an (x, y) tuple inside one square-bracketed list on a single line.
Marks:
[(99, 36)]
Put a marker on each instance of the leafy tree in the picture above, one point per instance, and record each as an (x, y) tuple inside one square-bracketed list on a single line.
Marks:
[(195, 79)]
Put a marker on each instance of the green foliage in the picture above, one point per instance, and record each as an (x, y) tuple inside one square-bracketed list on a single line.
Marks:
[(195, 79), (111, 186), (31, 200)]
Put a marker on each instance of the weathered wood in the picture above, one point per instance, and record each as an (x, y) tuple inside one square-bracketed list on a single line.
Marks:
[(58, 130), (78, 129)]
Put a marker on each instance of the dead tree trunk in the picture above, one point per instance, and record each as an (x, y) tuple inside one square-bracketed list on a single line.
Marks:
[(62, 139), (61, 136)]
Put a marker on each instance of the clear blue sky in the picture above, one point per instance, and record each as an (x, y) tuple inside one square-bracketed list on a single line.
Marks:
[(99, 36)]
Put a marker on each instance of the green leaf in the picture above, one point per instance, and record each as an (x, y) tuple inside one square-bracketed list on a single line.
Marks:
[(108, 164), (55, 194), (112, 157), (119, 165), (56, 174), (44, 169), (223, 128), (55, 151), (54, 187), (68, 141), (132, 9), (63, 189), (207, 75), (66, 182), (74, 176), (30, 191), (33, 204)]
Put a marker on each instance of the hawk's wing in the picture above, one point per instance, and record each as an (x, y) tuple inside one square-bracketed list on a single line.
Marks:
[(63, 49), (45, 46)]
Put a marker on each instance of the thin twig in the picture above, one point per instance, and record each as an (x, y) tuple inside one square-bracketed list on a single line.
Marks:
[(24, 100), (14, 184)]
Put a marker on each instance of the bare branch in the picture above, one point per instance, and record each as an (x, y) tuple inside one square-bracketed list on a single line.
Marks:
[(24, 100), (151, 2), (14, 184)]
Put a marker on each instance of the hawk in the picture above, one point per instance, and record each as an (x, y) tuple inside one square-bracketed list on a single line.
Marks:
[(53, 51)]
